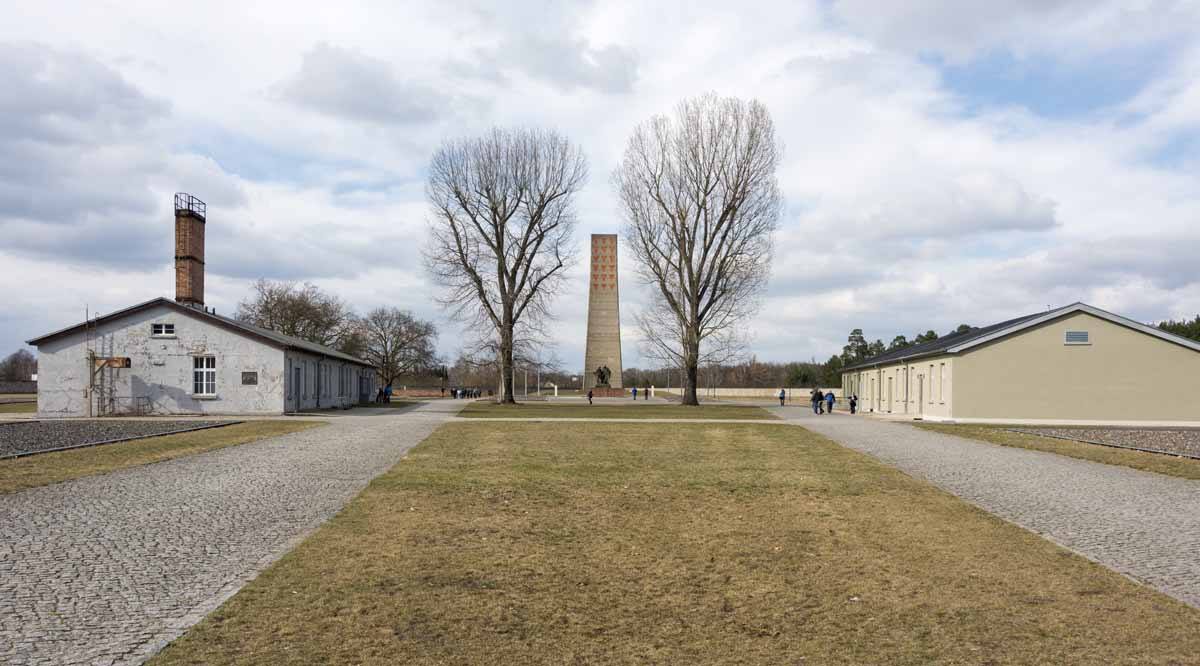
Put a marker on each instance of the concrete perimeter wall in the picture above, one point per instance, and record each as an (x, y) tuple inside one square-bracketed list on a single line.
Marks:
[(795, 393)]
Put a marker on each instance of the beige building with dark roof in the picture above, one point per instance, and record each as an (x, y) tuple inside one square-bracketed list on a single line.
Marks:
[(1075, 364)]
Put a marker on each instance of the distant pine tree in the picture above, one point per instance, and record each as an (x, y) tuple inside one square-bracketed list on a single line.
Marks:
[(1183, 328)]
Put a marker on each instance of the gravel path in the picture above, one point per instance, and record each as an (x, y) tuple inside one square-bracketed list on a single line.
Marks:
[(1144, 525), (108, 569), (1180, 441), (32, 436)]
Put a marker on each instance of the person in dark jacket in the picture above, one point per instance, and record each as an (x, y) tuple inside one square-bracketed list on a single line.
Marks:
[(820, 402), (853, 404), (782, 397), (829, 401), (589, 396)]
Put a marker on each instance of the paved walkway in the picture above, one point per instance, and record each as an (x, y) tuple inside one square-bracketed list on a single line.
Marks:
[(1144, 525), (108, 569)]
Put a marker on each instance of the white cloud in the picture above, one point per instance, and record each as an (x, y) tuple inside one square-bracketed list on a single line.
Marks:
[(906, 212)]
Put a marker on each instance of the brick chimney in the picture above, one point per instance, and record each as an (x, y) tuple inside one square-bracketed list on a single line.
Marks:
[(189, 250)]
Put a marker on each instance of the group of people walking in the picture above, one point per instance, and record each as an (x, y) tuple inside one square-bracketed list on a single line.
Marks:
[(821, 400)]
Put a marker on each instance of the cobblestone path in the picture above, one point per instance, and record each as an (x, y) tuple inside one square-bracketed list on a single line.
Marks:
[(1144, 525), (108, 569)]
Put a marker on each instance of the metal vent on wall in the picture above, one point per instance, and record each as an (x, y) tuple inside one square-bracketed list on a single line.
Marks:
[(1077, 338)]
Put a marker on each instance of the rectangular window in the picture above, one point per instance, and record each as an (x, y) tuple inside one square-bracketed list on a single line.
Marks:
[(249, 379), (942, 383), (204, 375), (162, 330), (1076, 338)]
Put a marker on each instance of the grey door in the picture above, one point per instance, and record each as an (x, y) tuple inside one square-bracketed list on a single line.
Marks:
[(297, 385)]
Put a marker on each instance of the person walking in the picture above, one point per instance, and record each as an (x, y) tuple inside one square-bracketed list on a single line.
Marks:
[(853, 404), (646, 392), (812, 398), (782, 397), (829, 398), (635, 394), (820, 402), (589, 396), (387, 393)]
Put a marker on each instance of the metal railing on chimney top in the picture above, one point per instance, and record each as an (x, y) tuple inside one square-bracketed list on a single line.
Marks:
[(189, 203)]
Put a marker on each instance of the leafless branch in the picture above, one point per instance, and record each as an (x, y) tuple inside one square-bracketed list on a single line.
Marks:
[(701, 203), (501, 226)]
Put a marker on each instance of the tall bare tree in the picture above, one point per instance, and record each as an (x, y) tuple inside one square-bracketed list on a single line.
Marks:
[(501, 231), (397, 342), (701, 203), (303, 311)]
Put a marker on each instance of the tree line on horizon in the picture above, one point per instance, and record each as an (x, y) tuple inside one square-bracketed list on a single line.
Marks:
[(1184, 328), (394, 340)]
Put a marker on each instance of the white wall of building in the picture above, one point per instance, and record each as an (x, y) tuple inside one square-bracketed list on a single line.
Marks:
[(161, 379), (320, 382)]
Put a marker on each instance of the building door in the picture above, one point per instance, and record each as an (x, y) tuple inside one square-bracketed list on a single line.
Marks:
[(920, 395), (297, 385), (318, 383)]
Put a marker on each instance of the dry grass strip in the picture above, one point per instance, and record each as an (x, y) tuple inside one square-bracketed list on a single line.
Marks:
[(610, 410), (18, 407), (1160, 463), (542, 543), (46, 468)]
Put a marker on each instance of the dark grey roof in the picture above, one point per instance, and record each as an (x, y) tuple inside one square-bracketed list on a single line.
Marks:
[(941, 345), (273, 337)]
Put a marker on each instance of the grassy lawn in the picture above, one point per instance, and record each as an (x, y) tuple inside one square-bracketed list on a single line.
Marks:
[(555, 410), (676, 544), (39, 470), (1147, 462), (18, 407)]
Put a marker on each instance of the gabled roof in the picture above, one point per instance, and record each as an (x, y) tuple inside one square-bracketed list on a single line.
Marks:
[(959, 342), (268, 336)]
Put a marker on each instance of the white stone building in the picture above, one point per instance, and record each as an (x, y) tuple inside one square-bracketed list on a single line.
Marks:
[(177, 357)]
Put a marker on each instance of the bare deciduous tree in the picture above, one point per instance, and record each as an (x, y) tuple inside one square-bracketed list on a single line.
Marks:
[(397, 343), (19, 366), (303, 311), (501, 231), (701, 203)]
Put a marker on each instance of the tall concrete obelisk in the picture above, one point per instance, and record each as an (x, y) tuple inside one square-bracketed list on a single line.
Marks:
[(604, 314)]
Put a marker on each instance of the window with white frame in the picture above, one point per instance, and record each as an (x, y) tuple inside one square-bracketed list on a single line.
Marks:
[(162, 330), (204, 375)]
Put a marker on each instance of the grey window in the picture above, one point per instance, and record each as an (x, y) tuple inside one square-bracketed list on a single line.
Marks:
[(249, 379), (1077, 338), (162, 330), (204, 375)]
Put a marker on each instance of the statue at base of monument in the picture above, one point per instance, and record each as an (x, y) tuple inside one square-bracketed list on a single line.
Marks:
[(602, 374)]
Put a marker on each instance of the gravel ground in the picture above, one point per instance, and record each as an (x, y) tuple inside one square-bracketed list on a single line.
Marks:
[(1138, 523), (1179, 442), (34, 436), (106, 569)]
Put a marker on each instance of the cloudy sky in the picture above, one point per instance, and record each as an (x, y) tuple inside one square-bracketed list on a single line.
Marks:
[(947, 161)]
